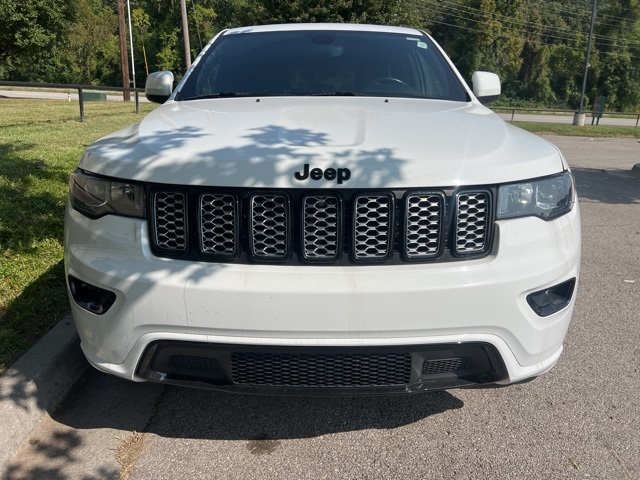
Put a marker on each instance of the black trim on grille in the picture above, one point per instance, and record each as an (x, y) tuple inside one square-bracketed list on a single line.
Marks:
[(476, 217), (180, 241), (414, 241), (321, 370), (373, 230), (290, 226), (270, 229), (225, 244), (309, 250)]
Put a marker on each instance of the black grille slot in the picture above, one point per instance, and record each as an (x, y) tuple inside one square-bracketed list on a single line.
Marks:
[(333, 227), (170, 221), (320, 370), (472, 222), (447, 365), (269, 227), (372, 226), (189, 362), (321, 230), (424, 218), (218, 224)]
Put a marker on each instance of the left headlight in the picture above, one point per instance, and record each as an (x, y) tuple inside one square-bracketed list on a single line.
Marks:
[(546, 198), (95, 197)]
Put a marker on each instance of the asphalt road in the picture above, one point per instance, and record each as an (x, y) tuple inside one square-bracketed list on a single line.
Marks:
[(581, 420)]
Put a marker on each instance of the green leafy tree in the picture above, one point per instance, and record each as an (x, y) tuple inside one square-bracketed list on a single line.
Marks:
[(356, 11), (92, 50), (28, 28)]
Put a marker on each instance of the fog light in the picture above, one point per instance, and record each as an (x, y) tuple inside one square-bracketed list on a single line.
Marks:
[(94, 299), (551, 300)]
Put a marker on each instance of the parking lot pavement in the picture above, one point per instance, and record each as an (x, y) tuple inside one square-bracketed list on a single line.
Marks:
[(580, 420)]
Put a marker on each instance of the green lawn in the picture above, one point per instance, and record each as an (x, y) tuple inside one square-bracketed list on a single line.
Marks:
[(41, 142)]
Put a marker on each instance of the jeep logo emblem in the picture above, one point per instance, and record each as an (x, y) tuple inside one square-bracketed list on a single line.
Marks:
[(340, 174)]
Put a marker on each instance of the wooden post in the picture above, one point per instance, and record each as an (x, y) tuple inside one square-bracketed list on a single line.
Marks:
[(81, 104), (124, 58), (185, 33)]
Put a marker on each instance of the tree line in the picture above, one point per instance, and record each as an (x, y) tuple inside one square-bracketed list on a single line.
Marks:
[(537, 47)]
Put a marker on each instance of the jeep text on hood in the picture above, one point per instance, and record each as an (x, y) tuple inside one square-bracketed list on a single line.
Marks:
[(322, 209)]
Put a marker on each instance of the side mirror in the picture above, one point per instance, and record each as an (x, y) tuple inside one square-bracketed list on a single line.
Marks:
[(486, 87), (159, 86)]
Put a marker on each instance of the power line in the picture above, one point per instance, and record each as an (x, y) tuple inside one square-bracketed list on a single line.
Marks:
[(502, 35), (565, 33), (561, 34)]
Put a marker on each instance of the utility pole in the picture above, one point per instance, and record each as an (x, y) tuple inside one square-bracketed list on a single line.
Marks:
[(579, 118), (124, 58), (185, 33), (133, 63)]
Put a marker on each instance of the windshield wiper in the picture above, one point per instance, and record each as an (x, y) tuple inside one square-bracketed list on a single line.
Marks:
[(221, 95)]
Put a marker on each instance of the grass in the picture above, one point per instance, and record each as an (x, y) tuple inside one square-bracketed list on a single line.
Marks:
[(569, 130), (41, 142)]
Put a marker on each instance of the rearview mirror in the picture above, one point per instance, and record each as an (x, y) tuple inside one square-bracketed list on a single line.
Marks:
[(159, 86), (486, 87)]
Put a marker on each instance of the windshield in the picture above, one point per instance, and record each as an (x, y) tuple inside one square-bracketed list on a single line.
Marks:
[(323, 63)]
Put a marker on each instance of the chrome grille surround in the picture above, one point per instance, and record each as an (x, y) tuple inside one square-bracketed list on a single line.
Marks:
[(170, 221), (473, 216), (424, 224), (321, 227), (218, 222), (270, 231), (372, 227)]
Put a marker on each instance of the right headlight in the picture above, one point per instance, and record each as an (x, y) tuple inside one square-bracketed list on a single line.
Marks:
[(95, 196), (546, 198)]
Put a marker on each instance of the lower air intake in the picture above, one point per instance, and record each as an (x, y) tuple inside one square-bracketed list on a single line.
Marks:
[(320, 370), (189, 362), (446, 365)]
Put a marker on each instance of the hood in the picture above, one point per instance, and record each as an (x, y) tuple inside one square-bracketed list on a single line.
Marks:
[(279, 141)]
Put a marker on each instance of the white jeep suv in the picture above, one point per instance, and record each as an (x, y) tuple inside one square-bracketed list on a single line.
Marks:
[(322, 209)]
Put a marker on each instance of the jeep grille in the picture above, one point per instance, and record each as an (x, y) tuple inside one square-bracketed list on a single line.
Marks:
[(337, 227)]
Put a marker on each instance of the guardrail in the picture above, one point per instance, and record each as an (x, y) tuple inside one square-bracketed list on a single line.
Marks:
[(80, 88), (513, 111)]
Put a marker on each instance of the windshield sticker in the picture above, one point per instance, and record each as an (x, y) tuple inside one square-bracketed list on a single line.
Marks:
[(419, 42)]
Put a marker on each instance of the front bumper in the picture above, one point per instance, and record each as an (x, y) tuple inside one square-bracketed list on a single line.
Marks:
[(283, 306)]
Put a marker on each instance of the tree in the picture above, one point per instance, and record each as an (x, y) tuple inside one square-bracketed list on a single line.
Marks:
[(92, 53), (30, 27)]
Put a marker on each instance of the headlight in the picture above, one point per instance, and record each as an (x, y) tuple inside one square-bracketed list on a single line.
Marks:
[(95, 197), (546, 198)]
